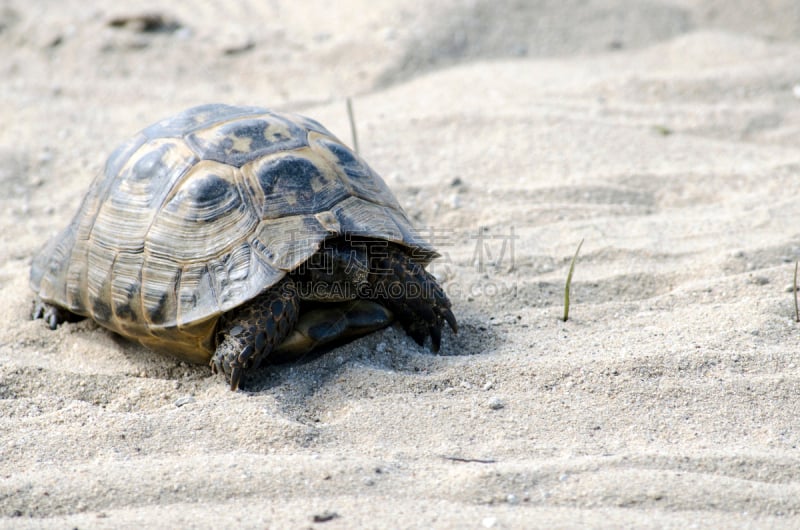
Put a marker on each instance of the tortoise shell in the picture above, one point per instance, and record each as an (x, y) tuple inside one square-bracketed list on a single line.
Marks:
[(201, 212)]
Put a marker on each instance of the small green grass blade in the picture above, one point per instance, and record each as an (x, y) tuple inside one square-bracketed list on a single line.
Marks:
[(569, 281)]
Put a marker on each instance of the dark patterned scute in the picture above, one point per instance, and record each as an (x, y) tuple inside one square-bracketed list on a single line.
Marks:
[(294, 186), (238, 142), (200, 213)]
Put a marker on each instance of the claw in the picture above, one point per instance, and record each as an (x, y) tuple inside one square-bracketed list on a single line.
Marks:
[(417, 332), (52, 315), (245, 355), (236, 376), (451, 319), (436, 336)]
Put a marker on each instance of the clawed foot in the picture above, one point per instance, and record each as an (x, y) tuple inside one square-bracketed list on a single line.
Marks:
[(233, 363), (249, 333), (413, 295), (52, 315)]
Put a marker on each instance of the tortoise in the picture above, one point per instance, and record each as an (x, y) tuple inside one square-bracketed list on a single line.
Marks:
[(234, 235)]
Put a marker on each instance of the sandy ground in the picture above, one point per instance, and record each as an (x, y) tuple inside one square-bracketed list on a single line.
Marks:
[(664, 133)]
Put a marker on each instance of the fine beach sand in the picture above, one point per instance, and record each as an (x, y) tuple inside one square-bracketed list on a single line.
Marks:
[(663, 133)]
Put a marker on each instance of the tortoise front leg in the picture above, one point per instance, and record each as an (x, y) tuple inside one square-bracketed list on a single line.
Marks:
[(412, 294), (249, 333)]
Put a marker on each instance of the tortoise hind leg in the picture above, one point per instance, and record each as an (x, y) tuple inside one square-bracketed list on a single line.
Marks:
[(249, 333), (53, 315)]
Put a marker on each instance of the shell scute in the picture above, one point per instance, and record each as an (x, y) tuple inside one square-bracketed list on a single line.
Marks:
[(205, 216), (296, 183), (359, 177), (238, 142)]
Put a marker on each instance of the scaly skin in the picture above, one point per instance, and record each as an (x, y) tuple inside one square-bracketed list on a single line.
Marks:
[(412, 294), (249, 333)]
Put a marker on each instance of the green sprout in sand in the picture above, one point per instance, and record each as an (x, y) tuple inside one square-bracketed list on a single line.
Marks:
[(569, 281)]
